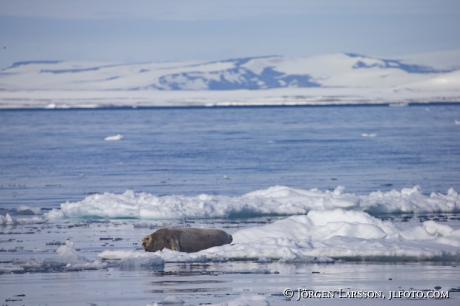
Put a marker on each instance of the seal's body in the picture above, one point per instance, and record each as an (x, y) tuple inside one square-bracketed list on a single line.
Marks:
[(185, 239)]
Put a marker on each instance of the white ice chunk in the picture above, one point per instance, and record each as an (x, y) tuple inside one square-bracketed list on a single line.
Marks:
[(172, 300), (436, 229), (9, 220), (115, 137), (68, 254)]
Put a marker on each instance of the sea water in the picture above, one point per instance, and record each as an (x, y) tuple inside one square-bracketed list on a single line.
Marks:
[(307, 192), (49, 157)]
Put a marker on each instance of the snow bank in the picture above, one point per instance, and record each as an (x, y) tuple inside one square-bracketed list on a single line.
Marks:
[(277, 200)]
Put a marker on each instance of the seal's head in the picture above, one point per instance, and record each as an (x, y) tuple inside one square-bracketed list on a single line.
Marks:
[(167, 237), (147, 243)]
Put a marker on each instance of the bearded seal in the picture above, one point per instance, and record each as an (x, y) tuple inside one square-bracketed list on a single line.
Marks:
[(185, 239)]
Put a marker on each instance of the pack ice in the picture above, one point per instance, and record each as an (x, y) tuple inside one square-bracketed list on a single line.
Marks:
[(277, 200)]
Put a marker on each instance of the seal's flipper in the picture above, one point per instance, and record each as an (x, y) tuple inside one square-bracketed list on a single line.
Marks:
[(174, 243)]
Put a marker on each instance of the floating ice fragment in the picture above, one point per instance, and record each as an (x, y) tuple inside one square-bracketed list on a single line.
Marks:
[(9, 220), (66, 259), (115, 137), (368, 135), (67, 254), (172, 300)]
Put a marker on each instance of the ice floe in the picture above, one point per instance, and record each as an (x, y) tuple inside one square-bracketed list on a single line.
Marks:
[(277, 200), (113, 138), (324, 236), (66, 259), (9, 220), (368, 135), (68, 254)]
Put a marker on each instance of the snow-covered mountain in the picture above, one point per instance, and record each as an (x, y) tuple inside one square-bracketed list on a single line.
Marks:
[(427, 72), (335, 70)]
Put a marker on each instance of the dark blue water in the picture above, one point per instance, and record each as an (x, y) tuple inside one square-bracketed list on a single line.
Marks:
[(50, 156)]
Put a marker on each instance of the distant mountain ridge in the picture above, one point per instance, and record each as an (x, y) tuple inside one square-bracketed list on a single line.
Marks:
[(332, 70), (237, 77), (391, 64)]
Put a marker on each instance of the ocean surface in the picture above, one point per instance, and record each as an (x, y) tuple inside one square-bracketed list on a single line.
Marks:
[(49, 157), (323, 198)]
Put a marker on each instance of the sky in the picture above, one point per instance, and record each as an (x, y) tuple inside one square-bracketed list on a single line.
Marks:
[(171, 30)]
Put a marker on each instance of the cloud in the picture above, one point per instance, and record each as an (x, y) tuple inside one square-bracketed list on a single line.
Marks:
[(213, 9)]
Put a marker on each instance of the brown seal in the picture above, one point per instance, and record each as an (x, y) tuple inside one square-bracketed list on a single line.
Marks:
[(185, 239)]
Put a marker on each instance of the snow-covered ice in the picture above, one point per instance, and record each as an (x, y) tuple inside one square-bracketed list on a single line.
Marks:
[(277, 200), (337, 234)]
